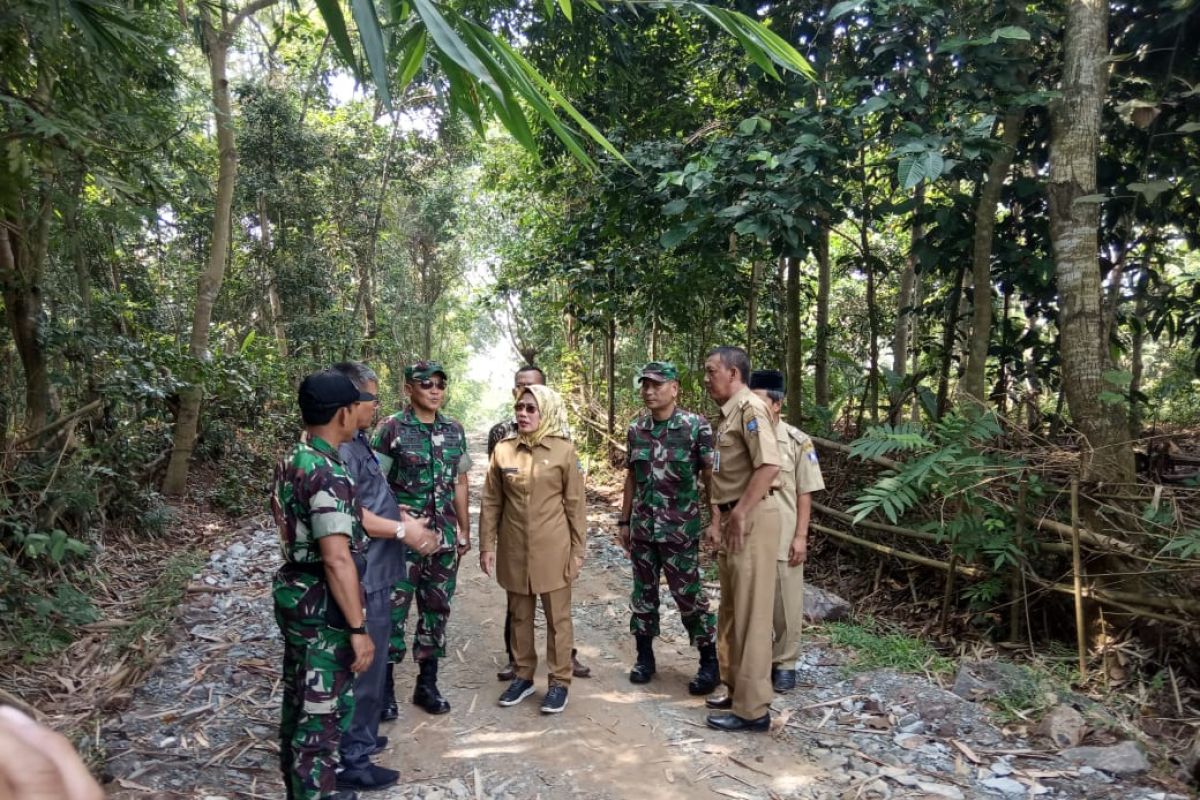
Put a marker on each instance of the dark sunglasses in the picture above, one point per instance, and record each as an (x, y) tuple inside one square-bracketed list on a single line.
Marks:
[(367, 397), (427, 384), (528, 408)]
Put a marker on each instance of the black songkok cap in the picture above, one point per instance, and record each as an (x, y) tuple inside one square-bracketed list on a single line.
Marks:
[(769, 379)]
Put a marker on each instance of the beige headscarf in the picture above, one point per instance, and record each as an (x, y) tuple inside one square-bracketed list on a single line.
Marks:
[(553, 420)]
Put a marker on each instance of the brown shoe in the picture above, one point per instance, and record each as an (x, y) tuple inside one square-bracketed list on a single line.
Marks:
[(508, 673), (577, 669)]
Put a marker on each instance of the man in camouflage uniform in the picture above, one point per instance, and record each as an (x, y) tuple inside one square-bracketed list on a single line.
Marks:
[(317, 594), (424, 456), (670, 450), (526, 376), (799, 476)]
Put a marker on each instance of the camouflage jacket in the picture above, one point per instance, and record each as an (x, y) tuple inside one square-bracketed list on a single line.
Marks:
[(667, 469), (499, 432), (422, 462), (314, 497)]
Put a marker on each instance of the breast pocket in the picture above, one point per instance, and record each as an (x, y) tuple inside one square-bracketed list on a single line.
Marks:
[(641, 464)]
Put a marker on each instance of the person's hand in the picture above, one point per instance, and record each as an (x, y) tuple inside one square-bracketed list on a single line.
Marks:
[(735, 532), (487, 562), (464, 541), (576, 567), (712, 537), (364, 652), (798, 551), (38, 764), (623, 538)]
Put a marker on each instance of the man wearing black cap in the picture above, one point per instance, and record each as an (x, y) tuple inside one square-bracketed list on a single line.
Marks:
[(317, 594), (800, 476)]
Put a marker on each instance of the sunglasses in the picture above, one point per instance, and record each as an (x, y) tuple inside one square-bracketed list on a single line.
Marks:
[(528, 408), (367, 397), (427, 384)]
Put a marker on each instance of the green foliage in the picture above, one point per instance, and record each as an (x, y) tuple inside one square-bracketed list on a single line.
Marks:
[(880, 645)]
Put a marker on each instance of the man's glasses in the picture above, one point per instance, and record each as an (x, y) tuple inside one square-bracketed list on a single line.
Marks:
[(528, 408), (431, 384), (367, 397)]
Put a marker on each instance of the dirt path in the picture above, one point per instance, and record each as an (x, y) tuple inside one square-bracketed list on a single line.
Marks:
[(204, 724)]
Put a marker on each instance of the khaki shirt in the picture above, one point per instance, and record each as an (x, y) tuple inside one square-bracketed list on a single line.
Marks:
[(799, 473), (533, 514), (741, 446)]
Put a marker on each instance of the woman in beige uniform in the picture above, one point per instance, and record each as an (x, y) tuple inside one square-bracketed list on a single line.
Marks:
[(532, 533)]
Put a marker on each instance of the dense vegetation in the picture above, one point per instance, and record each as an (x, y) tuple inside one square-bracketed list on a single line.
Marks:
[(968, 231)]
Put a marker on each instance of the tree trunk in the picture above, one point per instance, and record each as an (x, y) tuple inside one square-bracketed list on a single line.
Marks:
[(264, 224), (915, 346), (948, 331), (904, 310), (795, 350), (610, 375), (974, 378), (821, 343), (216, 48), (752, 307), (1106, 452)]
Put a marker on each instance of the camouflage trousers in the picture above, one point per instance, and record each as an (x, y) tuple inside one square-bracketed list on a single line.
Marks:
[(681, 563), (318, 687), (432, 580)]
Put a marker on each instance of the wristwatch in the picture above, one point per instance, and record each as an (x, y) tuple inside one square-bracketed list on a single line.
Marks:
[(400, 531), (361, 629)]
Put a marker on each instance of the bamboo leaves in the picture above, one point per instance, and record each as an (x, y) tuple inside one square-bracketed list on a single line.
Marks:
[(488, 76)]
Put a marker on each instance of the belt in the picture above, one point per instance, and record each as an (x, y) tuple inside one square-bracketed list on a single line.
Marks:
[(316, 569), (725, 508)]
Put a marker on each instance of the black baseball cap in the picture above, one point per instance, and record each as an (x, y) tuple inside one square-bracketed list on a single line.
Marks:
[(327, 391)]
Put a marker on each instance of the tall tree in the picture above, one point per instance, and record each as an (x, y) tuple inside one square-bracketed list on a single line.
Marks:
[(1074, 225)]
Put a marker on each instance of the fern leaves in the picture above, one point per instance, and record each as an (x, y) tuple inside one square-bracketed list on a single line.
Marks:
[(884, 439)]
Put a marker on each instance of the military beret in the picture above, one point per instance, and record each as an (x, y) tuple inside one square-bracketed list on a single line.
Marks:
[(327, 390), (659, 371), (769, 379), (423, 370)]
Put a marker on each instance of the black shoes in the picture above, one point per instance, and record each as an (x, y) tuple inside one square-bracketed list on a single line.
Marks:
[(783, 680), (578, 670), (426, 694), (555, 700), (517, 691), (708, 677), (381, 743), (508, 673), (734, 723), (390, 710), (369, 779), (719, 703), (644, 668)]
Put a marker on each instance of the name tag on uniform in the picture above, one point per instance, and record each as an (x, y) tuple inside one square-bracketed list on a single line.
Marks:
[(716, 461), (509, 470)]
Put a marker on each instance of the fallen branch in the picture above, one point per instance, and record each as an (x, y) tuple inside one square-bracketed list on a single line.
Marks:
[(56, 424)]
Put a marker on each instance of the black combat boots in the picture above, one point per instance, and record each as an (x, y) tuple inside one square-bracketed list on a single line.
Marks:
[(390, 710), (643, 668), (426, 695), (708, 677)]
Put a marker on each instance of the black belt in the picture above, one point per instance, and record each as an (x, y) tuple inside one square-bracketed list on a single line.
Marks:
[(315, 568), (725, 508)]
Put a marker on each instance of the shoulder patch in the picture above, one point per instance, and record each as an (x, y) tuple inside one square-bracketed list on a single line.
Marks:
[(752, 426)]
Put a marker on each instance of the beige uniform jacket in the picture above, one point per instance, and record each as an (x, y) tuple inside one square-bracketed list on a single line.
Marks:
[(744, 440), (799, 473), (533, 514)]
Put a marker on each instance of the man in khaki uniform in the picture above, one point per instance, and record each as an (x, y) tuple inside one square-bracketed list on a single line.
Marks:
[(745, 525), (799, 477)]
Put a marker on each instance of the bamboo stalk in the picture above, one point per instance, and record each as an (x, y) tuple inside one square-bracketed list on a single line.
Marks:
[(1077, 570), (1014, 592)]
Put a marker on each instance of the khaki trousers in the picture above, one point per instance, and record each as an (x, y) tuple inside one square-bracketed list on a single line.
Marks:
[(745, 614), (789, 614), (560, 633)]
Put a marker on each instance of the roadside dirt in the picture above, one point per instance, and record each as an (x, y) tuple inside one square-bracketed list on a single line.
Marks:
[(203, 725)]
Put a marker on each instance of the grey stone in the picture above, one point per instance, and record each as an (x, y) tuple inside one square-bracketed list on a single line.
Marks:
[(1063, 726), (1125, 758), (978, 680), (941, 790), (821, 606), (1005, 785)]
